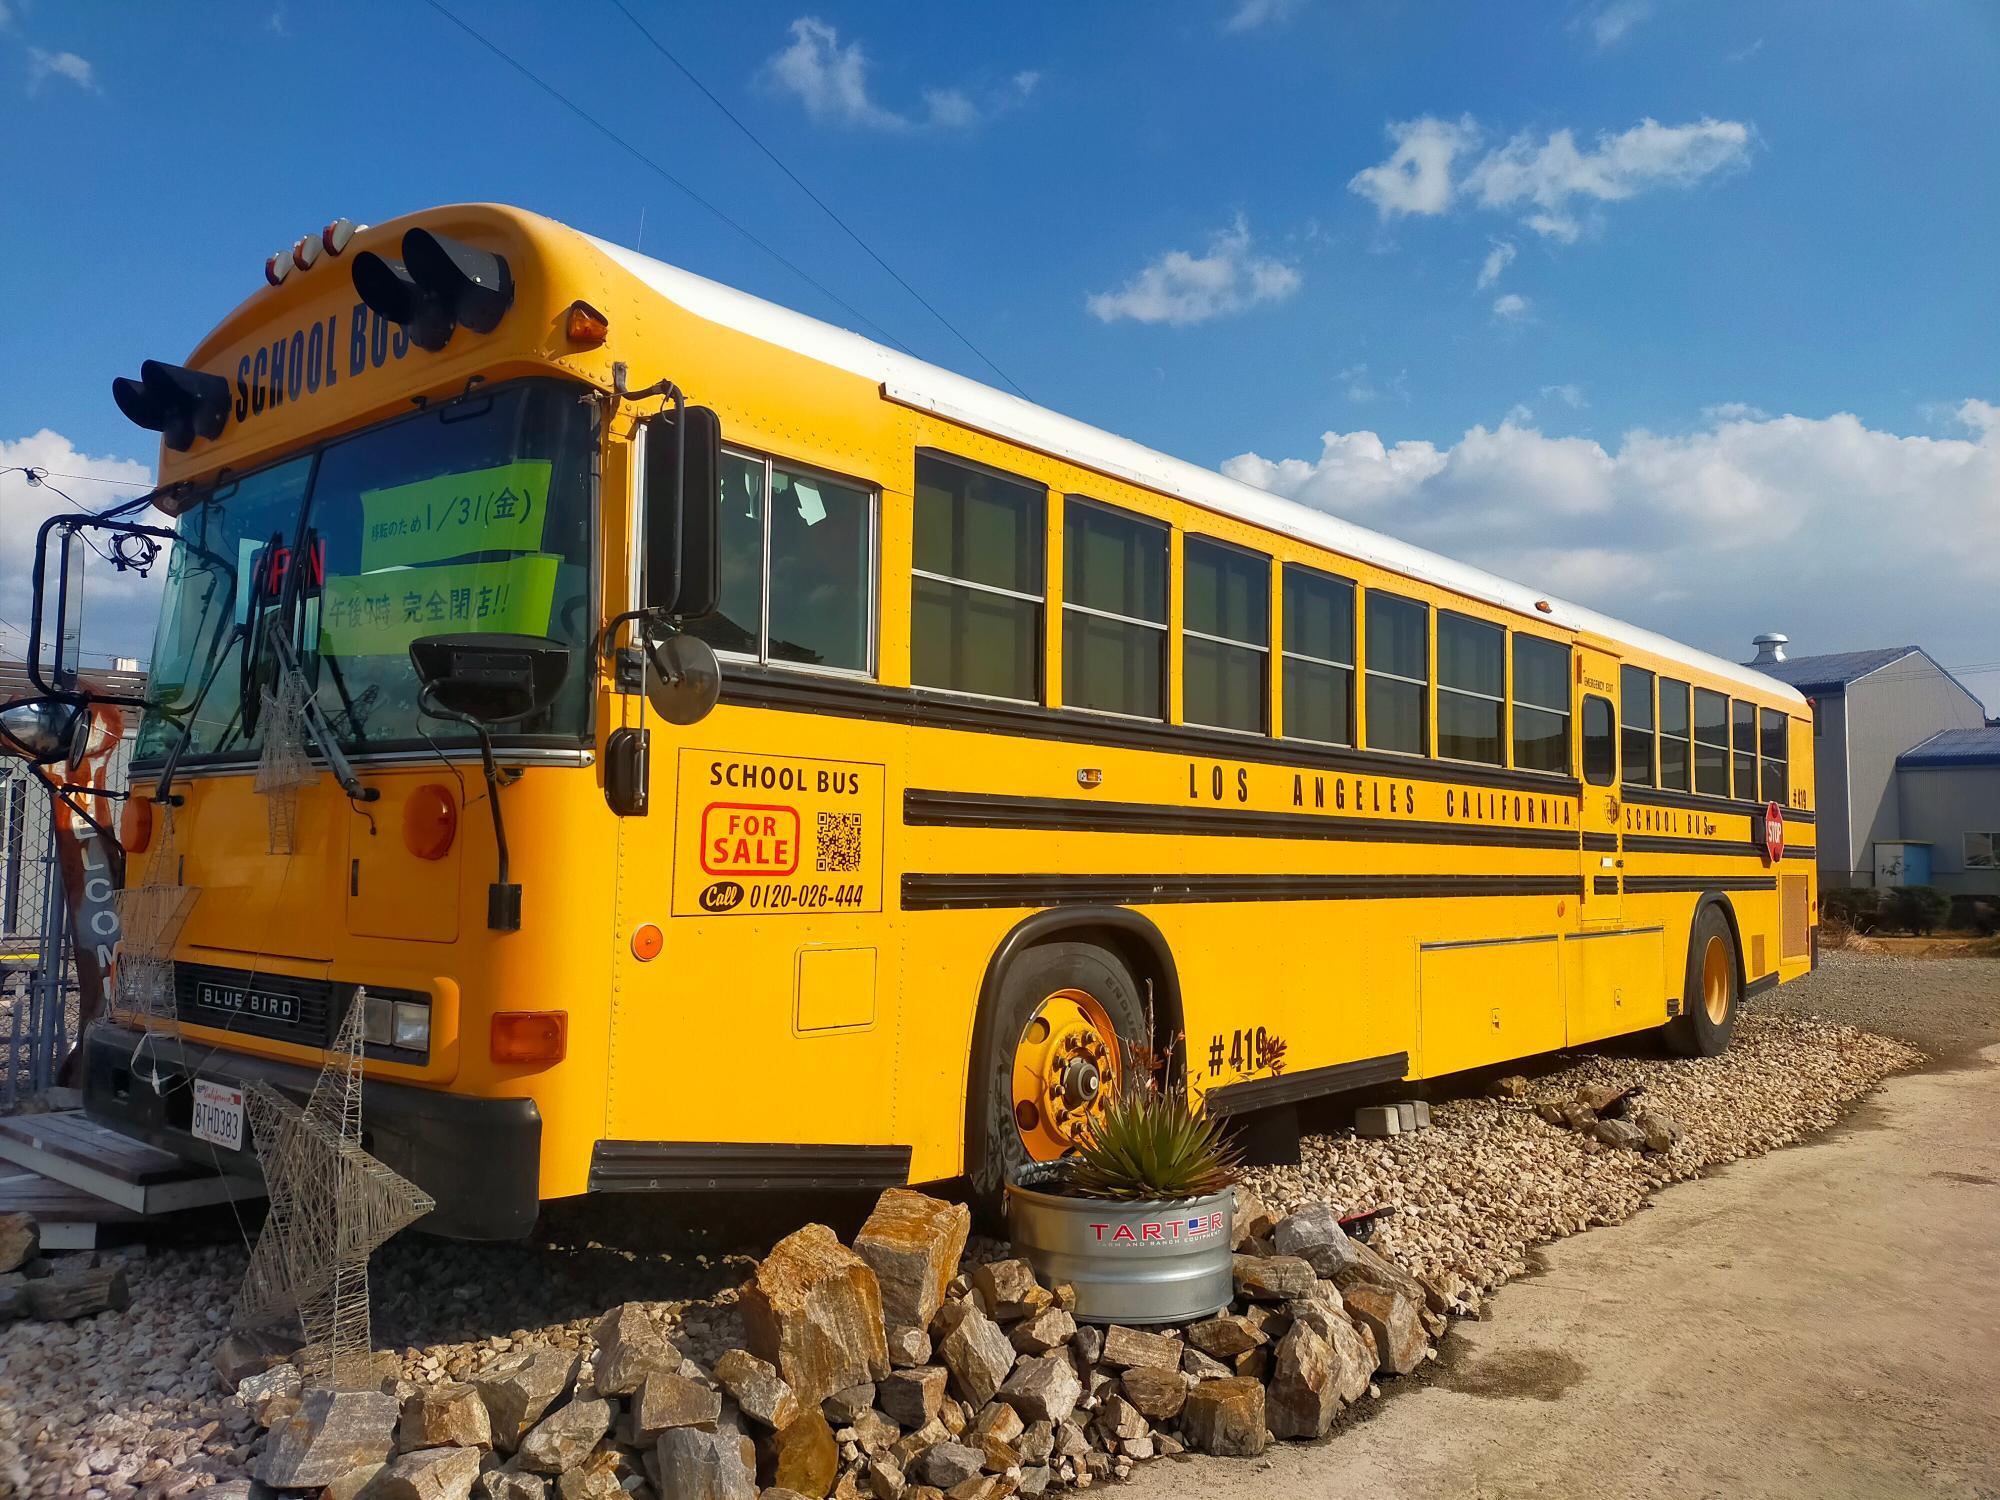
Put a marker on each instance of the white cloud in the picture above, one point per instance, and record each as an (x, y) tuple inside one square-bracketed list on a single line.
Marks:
[(1416, 179), (1570, 394), (1841, 534), (1610, 24), (42, 66), (118, 607), (1546, 179), (1182, 288), (831, 81), (1734, 411), (1498, 259), (1510, 307), (1250, 15)]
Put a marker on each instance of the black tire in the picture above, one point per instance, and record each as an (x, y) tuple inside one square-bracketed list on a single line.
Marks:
[(1696, 1031), (994, 1148)]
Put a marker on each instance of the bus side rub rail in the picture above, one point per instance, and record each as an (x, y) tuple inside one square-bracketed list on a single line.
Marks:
[(944, 892)]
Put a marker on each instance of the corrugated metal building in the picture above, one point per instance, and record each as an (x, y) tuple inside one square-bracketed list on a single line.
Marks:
[(1889, 813)]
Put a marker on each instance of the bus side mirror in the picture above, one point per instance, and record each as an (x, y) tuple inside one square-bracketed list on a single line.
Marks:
[(683, 500)]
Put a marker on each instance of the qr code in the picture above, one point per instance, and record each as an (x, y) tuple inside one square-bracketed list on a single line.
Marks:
[(839, 842)]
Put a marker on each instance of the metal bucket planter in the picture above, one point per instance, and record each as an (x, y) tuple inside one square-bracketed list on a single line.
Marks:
[(1130, 1262)]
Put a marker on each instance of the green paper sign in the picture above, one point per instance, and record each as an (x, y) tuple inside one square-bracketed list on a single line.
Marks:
[(501, 509), (379, 614)]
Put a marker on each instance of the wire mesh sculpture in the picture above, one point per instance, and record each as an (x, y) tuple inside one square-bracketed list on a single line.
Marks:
[(151, 915), (283, 766), (331, 1204)]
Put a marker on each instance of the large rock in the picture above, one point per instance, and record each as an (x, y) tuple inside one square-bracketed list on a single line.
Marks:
[(803, 1457), (331, 1433), (665, 1401), (240, 1355), (445, 1416), (912, 1397), (1304, 1395), (1128, 1348), (908, 1347), (1249, 1219), (1010, 1291), (1621, 1133), (1158, 1394), (274, 1394), (20, 1241), (1048, 1329), (949, 1464), (630, 1347), (1226, 1418), (1119, 1420), (1658, 1128), (519, 1388), (844, 1406), (1368, 1267), (758, 1389), (428, 1474), (814, 1310), (1312, 1232), (565, 1437), (1353, 1356), (509, 1484), (975, 1350), (1273, 1278), (596, 1478), (1043, 1390), (912, 1243), (1391, 1317), (1225, 1337), (697, 1465)]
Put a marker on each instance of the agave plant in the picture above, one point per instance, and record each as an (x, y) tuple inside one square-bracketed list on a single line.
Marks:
[(1150, 1144)]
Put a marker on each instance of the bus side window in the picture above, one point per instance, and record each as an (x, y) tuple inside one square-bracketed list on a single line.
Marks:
[(1600, 741), (1775, 729), (1541, 705), (1114, 610), (1711, 743), (1743, 734), (1635, 713), (1674, 741), (1399, 678), (1225, 636), (976, 594)]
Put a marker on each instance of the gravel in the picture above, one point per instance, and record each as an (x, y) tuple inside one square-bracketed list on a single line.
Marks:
[(121, 1404)]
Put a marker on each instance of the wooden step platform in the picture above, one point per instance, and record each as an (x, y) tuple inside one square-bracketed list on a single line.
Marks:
[(73, 1151), (68, 1218)]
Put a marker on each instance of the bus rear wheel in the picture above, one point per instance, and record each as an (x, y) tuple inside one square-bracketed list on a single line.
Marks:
[(1712, 996), (1053, 1054)]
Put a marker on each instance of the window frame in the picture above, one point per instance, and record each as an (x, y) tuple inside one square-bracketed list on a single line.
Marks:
[(973, 466), (1504, 739), (1583, 741), (1737, 709), (1696, 742), (1660, 735), (1428, 733), (1196, 538), (1165, 627), (873, 671), (1514, 704), (1766, 761), (1352, 669), (1992, 859), (1626, 727)]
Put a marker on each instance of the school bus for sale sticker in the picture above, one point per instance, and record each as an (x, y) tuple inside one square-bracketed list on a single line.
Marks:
[(767, 834)]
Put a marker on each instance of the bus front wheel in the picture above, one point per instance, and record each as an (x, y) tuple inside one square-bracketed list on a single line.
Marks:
[(1053, 1054), (1713, 995)]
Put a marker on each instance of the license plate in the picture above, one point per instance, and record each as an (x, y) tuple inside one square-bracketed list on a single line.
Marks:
[(218, 1114), (238, 1000)]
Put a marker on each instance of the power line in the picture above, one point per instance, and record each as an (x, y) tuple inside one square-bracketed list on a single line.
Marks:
[(821, 203), (134, 484), (618, 140)]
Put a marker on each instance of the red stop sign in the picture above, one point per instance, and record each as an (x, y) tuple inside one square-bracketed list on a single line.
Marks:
[(1774, 832)]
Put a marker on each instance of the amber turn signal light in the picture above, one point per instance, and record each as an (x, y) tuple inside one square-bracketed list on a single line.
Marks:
[(135, 825), (584, 324), (430, 822), (530, 1036)]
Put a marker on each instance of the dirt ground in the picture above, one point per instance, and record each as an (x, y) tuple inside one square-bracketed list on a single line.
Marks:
[(1824, 1321)]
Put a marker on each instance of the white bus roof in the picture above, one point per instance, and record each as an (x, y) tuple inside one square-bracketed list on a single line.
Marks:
[(956, 398)]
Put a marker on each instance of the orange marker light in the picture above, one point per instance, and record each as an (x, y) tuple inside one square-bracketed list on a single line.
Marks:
[(430, 822), (585, 324), (135, 825), (530, 1036), (647, 942)]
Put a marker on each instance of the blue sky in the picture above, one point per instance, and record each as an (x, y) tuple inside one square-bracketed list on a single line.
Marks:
[(1684, 309)]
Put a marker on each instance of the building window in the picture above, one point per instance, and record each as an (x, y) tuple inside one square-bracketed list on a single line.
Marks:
[(1775, 729), (1600, 741), (1743, 733), (1399, 678), (976, 585), (1982, 851), (1114, 610), (1225, 636), (798, 568), (1675, 745), (1319, 656), (1472, 689), (1635, 714), (1541, 704), (1711, 743)]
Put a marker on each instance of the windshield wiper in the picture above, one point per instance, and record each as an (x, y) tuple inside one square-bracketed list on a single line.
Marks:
[(322, 733)]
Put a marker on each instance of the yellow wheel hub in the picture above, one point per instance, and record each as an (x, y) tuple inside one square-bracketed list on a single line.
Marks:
[(1066, 1069), (1715, 980)]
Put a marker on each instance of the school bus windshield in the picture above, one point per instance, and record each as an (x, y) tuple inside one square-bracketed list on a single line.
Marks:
[(471, 516)]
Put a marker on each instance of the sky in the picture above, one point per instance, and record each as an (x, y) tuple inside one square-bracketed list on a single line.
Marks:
[(1683, 309)]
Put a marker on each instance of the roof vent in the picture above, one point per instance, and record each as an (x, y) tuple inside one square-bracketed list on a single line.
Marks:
[(1770, 648)]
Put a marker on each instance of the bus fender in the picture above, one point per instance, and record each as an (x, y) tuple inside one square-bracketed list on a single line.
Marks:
[(1717, 899)]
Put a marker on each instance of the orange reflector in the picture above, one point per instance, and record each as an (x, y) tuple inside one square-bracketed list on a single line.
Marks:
[(646, 942), (430, 822), (135, 825), (530, 1036), (586, 325)]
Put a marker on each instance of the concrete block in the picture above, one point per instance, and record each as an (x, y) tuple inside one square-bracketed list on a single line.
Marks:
[(1406, 1117), (1423, 1109), (1378, 1120)]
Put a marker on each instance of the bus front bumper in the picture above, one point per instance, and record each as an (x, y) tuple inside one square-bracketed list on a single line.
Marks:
[(479, 1158)]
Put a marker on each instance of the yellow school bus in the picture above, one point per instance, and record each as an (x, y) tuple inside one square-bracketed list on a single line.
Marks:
[(1033, 748)]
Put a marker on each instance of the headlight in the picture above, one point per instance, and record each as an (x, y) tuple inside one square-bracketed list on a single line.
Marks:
[(378, 1022), (43, 731), (413, 1026)]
